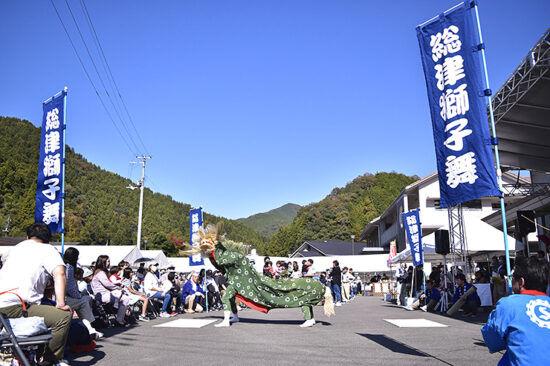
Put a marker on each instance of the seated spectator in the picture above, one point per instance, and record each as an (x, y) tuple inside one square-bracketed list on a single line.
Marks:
[(23, 279), (81, 304), (268, 270), (472, 302), (153, 289), (520, 322), (220, 282), (114, 275), (131, 289), (310, 269), (214, 298), (296, 273), (141, 271), (429, 298), (108, 291), (175, 290), (84, 278), (192, 295)]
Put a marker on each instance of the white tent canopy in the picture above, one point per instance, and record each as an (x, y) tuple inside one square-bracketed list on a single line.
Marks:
[(480, 237), (116, 253), (156, 256)]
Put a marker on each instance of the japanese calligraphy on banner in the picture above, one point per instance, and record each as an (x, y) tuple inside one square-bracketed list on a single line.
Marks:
[(452, 67), (195, 218), (49, 185), (411, 221)]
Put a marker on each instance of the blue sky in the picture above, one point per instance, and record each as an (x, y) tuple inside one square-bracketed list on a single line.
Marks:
[(248, 105)]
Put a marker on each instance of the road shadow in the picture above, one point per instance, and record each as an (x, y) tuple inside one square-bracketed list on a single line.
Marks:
[(399, 347), (84, 359), (273, 321)]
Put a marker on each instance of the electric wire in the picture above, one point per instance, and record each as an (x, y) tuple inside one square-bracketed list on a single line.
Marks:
[(90, 79), (110, 73), (99, 76)]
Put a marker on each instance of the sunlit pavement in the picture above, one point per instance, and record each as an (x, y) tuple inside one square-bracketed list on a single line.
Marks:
[(358, 334)]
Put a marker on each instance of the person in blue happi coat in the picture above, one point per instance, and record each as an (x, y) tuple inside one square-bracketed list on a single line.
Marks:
[(193, 295), (472, 301), (520, 323)]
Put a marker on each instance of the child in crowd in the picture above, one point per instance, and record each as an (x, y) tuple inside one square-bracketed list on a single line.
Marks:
[(133, 294), (114, 276)]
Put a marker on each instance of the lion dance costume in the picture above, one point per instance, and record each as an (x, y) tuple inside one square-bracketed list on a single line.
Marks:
[(256, 290)]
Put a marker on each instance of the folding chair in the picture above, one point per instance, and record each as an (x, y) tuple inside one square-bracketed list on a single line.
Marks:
[(25, 350), (105, 312)]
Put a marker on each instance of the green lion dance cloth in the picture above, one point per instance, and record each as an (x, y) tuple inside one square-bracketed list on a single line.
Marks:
[(258, 291)]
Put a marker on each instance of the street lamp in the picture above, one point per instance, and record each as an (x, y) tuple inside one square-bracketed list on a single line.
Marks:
[(145, 242), (352, 245)]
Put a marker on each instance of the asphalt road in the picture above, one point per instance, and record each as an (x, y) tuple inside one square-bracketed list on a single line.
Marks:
[(357, 335)]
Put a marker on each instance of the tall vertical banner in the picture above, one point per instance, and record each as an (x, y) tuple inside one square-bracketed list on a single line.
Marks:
[(414, 235), (50, 182), (195, 218), (453, 71)]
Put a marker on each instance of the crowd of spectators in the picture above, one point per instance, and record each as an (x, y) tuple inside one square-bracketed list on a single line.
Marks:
[(77, 301), (343, 283)]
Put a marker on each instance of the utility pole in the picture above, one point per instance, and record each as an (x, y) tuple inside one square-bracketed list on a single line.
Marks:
[(141, 185), (353, 245)]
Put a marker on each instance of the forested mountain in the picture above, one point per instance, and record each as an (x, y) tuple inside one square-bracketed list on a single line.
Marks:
[(98, 207), (267, 223), (345, 211)]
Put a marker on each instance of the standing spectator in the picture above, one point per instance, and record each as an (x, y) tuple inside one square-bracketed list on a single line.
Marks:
[(79, 303), (25, 273), (153, 289), (353, 285), (346, 284), (109, 292), (520, 322), (336, 282)]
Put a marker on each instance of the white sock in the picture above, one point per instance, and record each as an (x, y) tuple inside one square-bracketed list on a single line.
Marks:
[(88, 325)]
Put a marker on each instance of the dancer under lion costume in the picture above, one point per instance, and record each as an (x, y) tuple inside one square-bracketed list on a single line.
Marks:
[(256, 290)]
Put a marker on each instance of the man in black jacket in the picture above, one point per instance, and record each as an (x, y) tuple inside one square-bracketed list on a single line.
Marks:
[(336, 283)]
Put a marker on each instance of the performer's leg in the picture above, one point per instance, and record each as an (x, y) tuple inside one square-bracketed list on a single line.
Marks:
[(307, 311), (228, 300)]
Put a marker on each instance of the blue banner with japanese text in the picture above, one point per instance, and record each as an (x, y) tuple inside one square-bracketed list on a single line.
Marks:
[(195, 222), (411, 220), (449, 48), (49, 185)]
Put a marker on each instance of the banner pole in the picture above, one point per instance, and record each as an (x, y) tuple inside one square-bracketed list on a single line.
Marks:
[(63, 173), (495, 145)]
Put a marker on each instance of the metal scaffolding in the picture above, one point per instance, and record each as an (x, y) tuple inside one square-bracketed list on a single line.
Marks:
[(457, 239)]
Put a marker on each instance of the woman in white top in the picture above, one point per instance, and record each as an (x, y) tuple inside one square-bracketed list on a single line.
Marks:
[(153, 289)]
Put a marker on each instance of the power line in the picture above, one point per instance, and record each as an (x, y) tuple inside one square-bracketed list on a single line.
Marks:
[(99, 76), (90, 79), (100, 48)]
